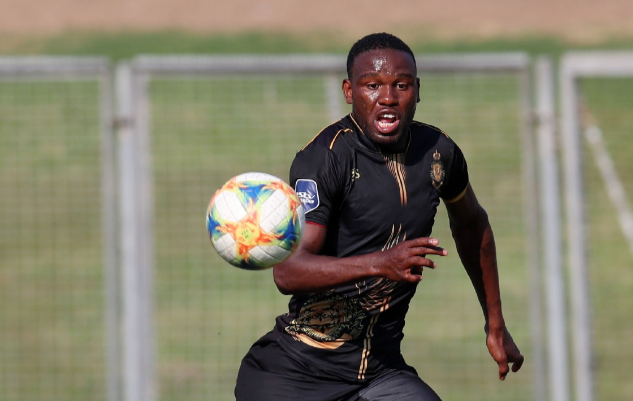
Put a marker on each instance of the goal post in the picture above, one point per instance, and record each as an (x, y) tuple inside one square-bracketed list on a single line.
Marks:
[(575, 67), (202, 119), (553, 272), (58, 235)]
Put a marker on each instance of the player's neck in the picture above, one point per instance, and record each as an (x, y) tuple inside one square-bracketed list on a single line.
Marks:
[(399, 147)]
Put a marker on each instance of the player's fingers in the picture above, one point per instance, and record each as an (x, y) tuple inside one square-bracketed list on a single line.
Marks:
[(426, 250), (412, 275), (424, 241), (419, 262), (518, 362), (499, 355), (503, 368), (435, 250)]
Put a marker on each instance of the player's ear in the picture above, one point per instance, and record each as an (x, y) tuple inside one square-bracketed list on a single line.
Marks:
[(417, 84), (347, 90)]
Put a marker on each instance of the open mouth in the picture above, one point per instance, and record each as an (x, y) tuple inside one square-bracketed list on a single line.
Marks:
[(386, 123)]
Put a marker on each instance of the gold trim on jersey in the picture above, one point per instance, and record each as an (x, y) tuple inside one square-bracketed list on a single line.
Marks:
[(328, 317), (394, 238), (458, 197), (395, 164), (364, 359), (333, 140), (356, 124), (304, 338), (336, 136), (386, 287)]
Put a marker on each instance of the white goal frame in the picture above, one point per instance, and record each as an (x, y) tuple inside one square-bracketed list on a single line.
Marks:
[(132, 83), (574, 66), (98, 69)]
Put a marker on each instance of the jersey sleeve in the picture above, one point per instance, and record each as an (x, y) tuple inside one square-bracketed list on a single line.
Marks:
[(456, 177), (315, 175)]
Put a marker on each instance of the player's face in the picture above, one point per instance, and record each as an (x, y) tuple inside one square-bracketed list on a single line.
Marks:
[(383, 91)]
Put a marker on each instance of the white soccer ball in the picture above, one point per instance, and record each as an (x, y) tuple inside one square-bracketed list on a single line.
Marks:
[(255, 221)]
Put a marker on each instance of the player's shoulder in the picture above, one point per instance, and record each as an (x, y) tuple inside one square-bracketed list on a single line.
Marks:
[(330, 136), (430, 133), (418, 127)]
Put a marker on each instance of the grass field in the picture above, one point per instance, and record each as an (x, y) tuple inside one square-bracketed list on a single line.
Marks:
[(207, 313), (51, 279), (129, 44)]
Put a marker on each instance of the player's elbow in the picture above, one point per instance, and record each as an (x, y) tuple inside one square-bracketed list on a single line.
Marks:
[(481, 217), (477, 219), (281, 281)]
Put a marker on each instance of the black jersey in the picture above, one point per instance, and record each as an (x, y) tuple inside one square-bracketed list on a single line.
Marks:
[(368, 201)]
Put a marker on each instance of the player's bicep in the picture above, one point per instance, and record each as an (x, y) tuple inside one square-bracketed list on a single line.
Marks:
[(315, 175), (457, 179), (313, 239)]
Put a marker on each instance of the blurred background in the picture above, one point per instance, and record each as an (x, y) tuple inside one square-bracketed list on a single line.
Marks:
[(120, 119), (124, 28)]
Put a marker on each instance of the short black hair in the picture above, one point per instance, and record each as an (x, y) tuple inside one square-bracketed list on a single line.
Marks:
[(376, 41)]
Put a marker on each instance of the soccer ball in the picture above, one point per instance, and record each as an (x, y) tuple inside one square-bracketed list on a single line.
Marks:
[(255, 221)]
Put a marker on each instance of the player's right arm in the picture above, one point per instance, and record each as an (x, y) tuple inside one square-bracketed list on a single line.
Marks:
[(305, 271), (321, 176)]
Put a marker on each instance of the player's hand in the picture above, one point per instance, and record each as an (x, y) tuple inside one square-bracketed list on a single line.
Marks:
[(405, 261), (504, 351)]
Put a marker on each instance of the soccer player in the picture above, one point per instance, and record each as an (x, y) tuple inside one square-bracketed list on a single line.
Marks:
[(371, 184)]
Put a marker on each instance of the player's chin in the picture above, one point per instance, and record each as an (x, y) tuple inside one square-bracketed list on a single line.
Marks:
[(389, 138)]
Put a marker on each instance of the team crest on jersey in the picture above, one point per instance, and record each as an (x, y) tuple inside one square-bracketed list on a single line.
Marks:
[(437, 170), (307, 191)]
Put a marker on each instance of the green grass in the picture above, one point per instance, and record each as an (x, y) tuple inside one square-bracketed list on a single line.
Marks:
[(51, 277), (121, 45), (204, 131)]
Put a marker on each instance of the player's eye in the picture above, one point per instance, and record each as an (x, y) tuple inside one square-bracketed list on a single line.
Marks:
[(402, 86), (372, 86)]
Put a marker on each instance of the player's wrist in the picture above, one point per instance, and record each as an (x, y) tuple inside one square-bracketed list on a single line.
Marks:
[(494, 325), (375, 267)]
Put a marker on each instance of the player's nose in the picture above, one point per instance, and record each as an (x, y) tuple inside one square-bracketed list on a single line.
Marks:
[(388, 96)]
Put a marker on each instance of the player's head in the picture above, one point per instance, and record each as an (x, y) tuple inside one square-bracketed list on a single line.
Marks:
[(376, 41), (383, 89)]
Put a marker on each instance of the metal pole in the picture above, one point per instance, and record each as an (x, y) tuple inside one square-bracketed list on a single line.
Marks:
[(574, 201), (146, 232), (110, 228), (333, 95), (137, 364), (533, 238), (551, 238)]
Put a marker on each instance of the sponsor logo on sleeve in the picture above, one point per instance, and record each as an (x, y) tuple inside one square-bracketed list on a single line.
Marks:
[(308, 193)]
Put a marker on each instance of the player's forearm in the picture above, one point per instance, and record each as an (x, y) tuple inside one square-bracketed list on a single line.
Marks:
[(305, 272), (476, 247), (490, 278)]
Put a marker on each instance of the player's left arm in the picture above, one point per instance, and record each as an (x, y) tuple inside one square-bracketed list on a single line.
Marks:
[(476, 248)]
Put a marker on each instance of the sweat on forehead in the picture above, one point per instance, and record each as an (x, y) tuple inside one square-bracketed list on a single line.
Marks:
[(376, 41)]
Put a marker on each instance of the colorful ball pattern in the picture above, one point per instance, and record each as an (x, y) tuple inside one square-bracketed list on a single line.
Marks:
[(255, 221)]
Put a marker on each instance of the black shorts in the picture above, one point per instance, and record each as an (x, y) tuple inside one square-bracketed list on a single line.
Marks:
[(268, 373)]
